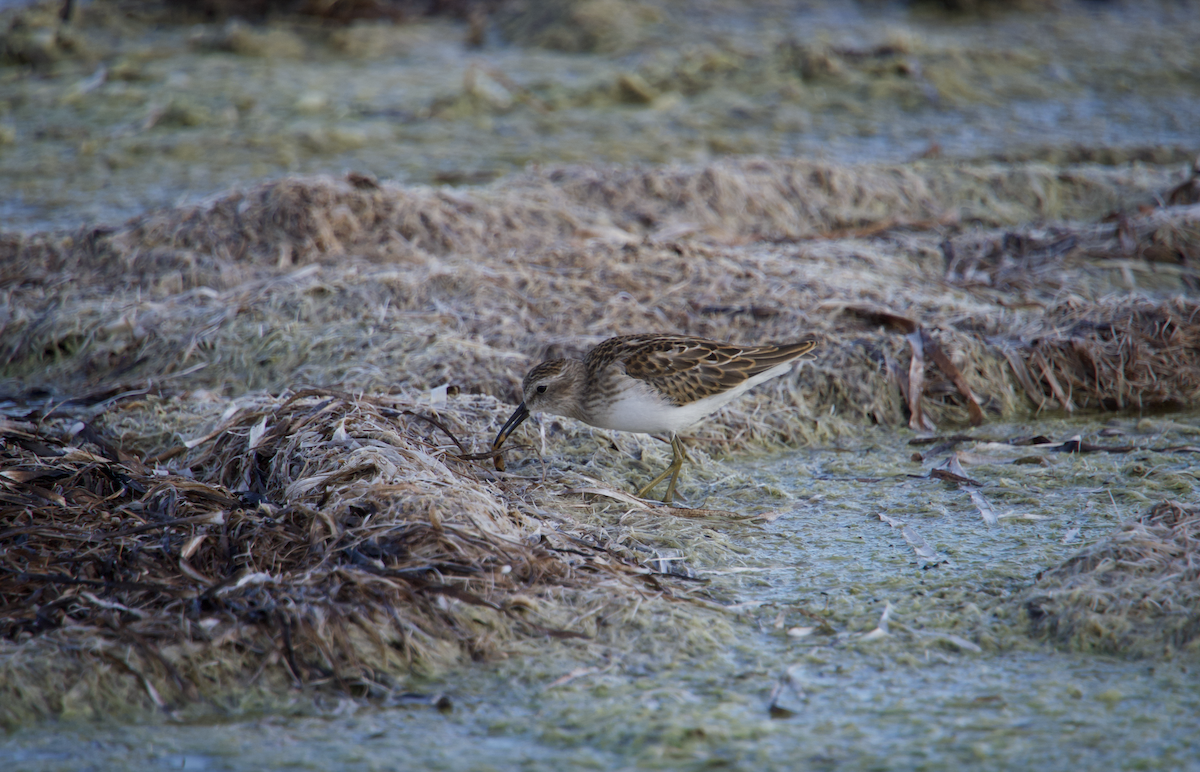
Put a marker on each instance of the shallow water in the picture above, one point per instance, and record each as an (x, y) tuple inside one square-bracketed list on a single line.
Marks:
[(954, 682), (1045, 711), (154, 118)]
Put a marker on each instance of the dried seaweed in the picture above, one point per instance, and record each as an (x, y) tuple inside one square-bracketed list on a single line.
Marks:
[(1113, 356), (1136, 592), (340, 537)]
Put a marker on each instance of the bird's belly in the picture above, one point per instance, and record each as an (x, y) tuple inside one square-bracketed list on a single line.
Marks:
[(639, 408), (635, 410)]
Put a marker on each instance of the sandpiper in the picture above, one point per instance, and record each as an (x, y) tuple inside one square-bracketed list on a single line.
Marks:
[(649, 383)]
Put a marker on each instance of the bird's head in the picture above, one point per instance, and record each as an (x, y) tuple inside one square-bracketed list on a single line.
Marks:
[(551, 387)]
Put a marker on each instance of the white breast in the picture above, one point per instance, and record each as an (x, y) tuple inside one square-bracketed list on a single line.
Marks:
[(641, 409)]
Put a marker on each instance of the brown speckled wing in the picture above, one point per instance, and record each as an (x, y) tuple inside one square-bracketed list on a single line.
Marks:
[(687, 369)]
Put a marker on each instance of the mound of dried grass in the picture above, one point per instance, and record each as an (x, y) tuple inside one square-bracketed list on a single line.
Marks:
[(1114, 356), (300, 221), (788, 199), (317, 538), (322, 537), (432, 287), (1136, 592)]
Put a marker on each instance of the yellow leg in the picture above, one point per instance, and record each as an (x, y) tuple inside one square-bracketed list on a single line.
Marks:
[(680, 455)]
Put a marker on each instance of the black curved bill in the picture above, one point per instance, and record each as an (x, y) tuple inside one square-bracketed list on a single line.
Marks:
[(515, 420)]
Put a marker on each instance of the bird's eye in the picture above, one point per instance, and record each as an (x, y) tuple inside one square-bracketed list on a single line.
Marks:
[(541, 389)]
